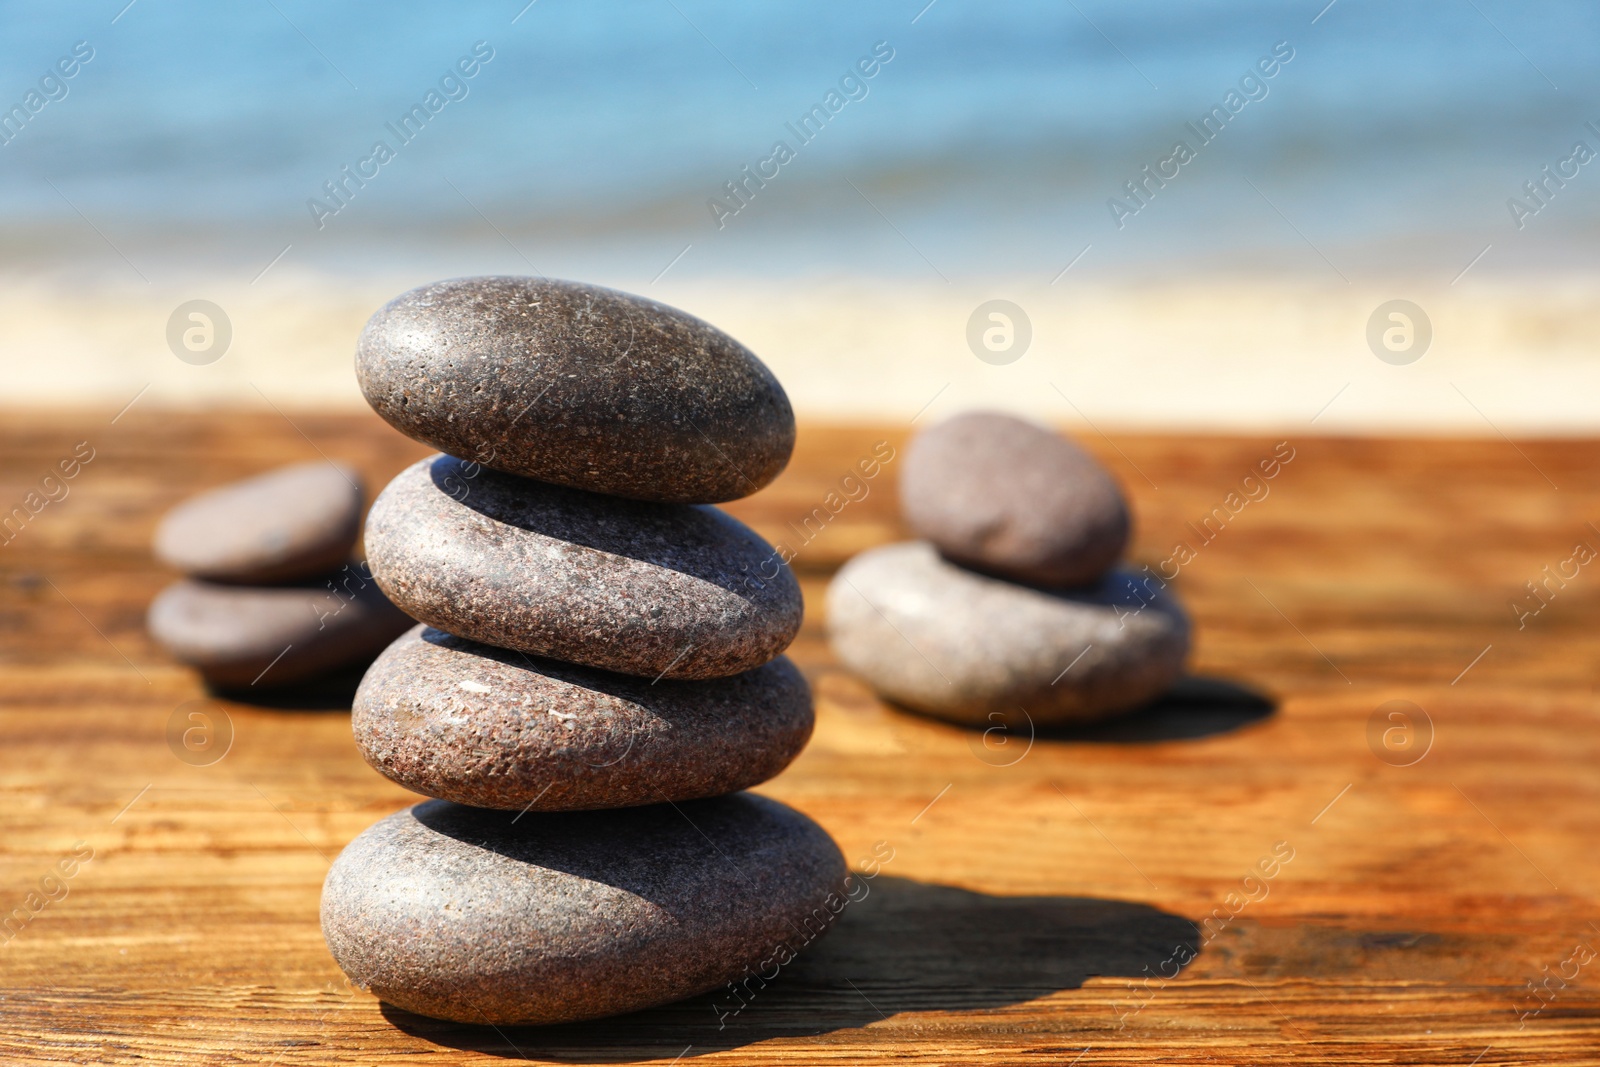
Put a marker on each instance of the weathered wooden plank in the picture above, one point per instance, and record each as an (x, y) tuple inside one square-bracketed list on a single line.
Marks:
[(1037, 887)]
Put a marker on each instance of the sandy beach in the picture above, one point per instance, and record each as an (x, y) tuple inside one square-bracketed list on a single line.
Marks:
[(1507, 356)]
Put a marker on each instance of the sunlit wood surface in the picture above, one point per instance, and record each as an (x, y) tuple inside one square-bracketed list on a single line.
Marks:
[(1037, 889)]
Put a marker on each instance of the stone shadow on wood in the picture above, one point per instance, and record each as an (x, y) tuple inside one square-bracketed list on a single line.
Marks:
[(908, 946), (335, 691), (1196, 706)]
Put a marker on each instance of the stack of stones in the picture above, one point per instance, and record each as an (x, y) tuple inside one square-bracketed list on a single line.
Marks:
[(271, 595), (1013, 610), (597, 673)]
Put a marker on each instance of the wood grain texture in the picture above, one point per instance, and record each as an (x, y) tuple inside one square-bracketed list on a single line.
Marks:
[(1035, 885)]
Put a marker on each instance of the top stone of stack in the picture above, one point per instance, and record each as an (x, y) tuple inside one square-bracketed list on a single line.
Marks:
[(287, 525), (1008, 497), (577, 385)]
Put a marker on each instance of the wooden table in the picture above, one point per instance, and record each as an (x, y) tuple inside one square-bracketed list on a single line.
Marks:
[(1041, 895)]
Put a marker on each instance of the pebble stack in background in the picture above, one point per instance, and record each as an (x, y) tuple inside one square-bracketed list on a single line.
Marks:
[(1015, 600), (271, 595), (599, 664)]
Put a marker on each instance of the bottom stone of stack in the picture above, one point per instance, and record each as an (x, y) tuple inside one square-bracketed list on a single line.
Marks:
[(482, 916), (974, 649), (240, 636)]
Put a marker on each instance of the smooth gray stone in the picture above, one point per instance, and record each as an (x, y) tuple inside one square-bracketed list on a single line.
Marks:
[(577, 385), (965, 646), (496, 917), (451, 718), (286, 525), (656, 590), (273, 635), (1007, 496)]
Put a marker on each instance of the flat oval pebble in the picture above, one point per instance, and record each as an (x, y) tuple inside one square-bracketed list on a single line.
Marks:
[(497, 917), (577, 385), (273, 635), (961, 645), (657, 590), (289, 524), (1010, 497), (455, 719)]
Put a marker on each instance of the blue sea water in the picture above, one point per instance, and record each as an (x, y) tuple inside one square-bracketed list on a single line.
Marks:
[(994, 139)]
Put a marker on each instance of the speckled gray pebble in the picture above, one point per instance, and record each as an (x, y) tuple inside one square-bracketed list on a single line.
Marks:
[(657, 590), (455, 719), (288, 524), (495, 917), (577, 385), (1010, 497), (961, 645), (273, 635)]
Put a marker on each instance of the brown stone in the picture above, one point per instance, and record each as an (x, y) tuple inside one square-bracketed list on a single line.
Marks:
[(656, 590), (241, 636), (286, 525), (965, 646), (497, 917), (455, 719), (577, 385), (1009, 497)]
